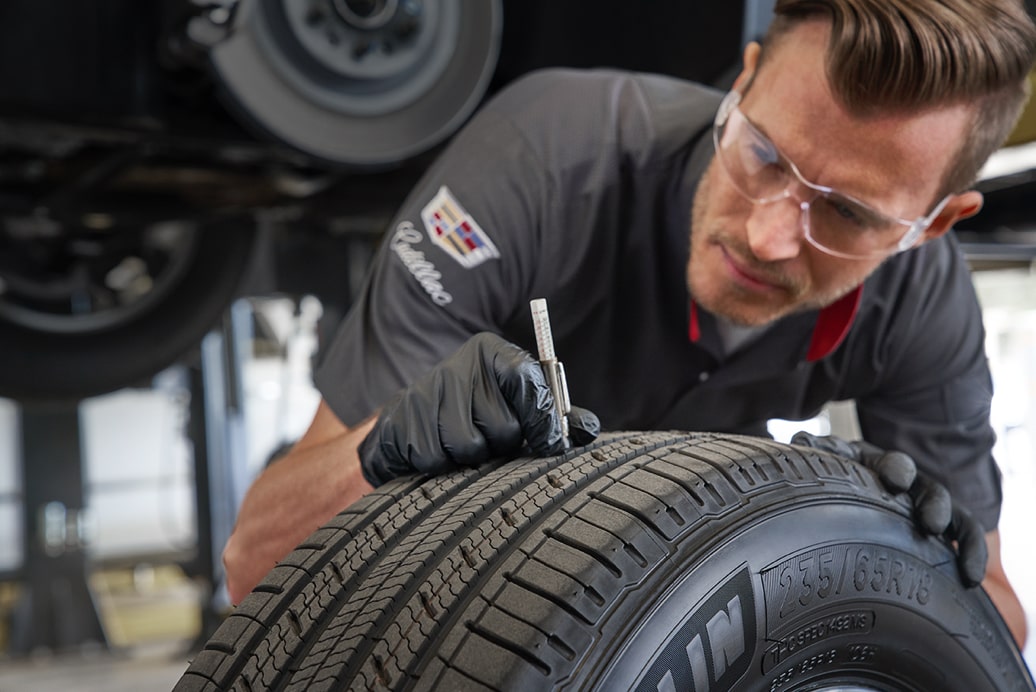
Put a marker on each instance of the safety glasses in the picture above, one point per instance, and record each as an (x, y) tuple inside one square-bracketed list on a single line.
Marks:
[(833, 222)]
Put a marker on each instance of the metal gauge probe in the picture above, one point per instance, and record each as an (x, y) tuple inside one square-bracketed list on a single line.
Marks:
[(552, 367)]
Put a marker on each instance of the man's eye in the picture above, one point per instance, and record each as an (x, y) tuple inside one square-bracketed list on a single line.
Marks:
[(765, 154), (849, 213), (845, 211), (761, 159)]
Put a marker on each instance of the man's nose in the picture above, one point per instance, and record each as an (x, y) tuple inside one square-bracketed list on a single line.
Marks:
[(775, 230)]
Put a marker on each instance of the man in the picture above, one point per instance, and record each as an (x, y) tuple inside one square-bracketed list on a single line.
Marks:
[(817, 267)]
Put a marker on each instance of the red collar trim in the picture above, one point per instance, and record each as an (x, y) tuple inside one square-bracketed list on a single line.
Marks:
[(694, 330), (832, 325)]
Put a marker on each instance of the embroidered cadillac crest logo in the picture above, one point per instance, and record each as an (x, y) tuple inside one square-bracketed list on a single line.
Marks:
[(454, 230)]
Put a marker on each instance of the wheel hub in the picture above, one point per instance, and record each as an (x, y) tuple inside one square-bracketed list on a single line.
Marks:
[(364, 39), (366, 14), (73, 280)]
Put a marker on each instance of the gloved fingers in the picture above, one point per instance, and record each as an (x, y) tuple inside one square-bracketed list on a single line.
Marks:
[(825, 443), (972, 550), (934, 508), (461, 444), (526, 392), (487, 428), (541, 423), (480, 403), (896, 470), (410, 433), (932, 504), (373, 463), (583, 426), (403, 433)]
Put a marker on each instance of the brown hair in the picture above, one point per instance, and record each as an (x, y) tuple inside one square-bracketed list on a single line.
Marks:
[(912, 54)]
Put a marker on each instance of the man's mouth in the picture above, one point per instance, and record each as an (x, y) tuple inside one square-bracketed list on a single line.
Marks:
[(747, 275)]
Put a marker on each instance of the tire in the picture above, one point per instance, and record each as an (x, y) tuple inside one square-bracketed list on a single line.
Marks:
[(649, 561), (186, 275), (358, 83)]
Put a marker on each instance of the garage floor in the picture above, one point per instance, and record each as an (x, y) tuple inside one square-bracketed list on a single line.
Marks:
[(139, 670), (151, 618)]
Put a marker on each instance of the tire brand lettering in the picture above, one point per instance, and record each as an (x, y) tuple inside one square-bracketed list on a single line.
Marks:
[(852, 622), (713, 647), (825, 575), (402, 244)]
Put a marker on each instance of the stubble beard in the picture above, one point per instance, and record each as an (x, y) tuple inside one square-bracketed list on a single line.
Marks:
[(729, 300)]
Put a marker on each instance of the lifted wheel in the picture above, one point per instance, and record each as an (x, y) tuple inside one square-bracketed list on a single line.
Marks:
[(84, 311)]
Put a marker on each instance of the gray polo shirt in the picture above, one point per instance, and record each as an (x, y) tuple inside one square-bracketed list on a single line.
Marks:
[(576, 186)]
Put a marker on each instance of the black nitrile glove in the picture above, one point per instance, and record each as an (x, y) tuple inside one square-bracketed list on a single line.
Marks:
[(487, 401), (934, 509)]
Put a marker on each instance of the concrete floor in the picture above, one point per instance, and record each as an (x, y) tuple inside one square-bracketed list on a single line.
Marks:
[(151, 618), (140, 669)]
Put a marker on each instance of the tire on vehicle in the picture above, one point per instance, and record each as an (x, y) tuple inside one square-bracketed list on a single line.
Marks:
[(648, 561), (82, 315)]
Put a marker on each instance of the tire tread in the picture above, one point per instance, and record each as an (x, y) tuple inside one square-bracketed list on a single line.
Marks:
[(446, 581)]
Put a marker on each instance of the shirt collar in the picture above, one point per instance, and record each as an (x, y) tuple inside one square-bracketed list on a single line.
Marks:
[(831, 328)]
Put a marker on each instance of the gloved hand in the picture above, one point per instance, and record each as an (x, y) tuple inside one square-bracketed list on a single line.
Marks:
[(487, 401), (934, 509)]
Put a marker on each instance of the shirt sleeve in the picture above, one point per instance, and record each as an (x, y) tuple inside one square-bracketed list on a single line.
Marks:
[(934, 397)]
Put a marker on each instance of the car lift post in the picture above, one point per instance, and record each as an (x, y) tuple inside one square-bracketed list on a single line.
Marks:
[(56, 608), (216, 429)]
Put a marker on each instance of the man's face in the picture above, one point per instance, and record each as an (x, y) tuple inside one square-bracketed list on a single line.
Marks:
[(751, 263)]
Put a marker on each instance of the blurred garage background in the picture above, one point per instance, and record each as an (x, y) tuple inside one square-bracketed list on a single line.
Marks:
[(190, 192)]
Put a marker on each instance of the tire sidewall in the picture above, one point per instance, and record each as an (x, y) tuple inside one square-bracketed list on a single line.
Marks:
[(919, 630)]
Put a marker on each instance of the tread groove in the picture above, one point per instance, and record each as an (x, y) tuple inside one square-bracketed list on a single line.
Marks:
[(504, 643), (586, 550), (636, 513), (556, 599), (698, 499)]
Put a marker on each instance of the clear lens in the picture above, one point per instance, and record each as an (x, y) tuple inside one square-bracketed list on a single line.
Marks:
[(835, 223), (849, 229), (753, 162)]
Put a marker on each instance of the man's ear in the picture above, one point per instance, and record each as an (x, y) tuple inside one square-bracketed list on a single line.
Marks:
[(751, 61), (959, 207)]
